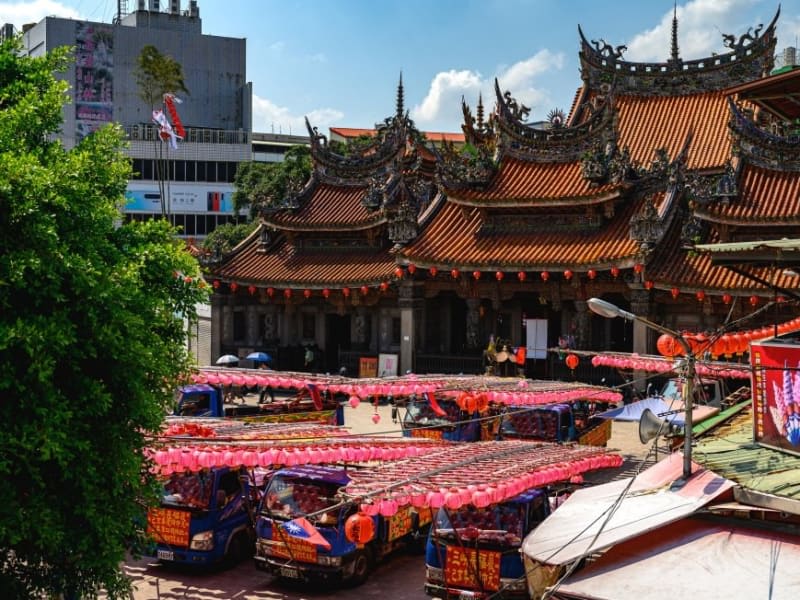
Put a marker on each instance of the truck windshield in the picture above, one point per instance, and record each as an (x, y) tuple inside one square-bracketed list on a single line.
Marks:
[(535, 423), (499, 525), (188, 489), (291, 497), (420, 414)]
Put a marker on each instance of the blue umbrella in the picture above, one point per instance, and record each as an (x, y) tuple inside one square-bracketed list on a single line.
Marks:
[(259, 357)]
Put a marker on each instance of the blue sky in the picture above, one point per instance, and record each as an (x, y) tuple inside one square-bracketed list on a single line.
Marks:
[(338, 61)]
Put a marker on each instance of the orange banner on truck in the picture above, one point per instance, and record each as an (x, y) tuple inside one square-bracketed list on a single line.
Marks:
[(462, 568), (169, 526), (292, 547)]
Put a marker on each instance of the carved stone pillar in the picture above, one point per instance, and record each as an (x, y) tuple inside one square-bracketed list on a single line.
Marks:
[(410, 302), (288, 324), (473, 321), (582, 324), (251, 329)]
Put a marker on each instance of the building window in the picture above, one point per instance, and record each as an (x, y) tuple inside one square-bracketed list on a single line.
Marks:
[(201, 170), (147, 169), (180, 170), (309, 326), (211, 171)]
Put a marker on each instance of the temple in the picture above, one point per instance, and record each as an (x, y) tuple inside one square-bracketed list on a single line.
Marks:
[(427, 251)]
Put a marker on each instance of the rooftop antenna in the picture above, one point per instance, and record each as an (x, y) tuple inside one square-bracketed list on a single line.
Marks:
[(674, 54)]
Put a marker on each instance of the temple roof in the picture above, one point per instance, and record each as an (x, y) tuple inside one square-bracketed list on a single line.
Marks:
[(281, 264), (454, 239), (778, 94), (432, 136), (765, 197)]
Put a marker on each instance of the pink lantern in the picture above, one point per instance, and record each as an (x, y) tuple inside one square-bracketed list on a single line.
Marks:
[(481, 499), (387, 507), (370, 510), (435, 499), (354, 401), (452, 499), (376, 418)]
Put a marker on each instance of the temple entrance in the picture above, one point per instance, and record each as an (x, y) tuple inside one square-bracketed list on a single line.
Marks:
[(337, 338)]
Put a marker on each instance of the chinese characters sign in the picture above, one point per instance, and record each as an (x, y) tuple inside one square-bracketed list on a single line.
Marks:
[(776, 394), (399, 524), (94, 78), (168, 526), (292, 547), (461, 568)]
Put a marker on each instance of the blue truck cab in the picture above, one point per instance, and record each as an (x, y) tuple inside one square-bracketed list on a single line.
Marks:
[(204, 517), (285, 552), (575, 422), (475, 552)]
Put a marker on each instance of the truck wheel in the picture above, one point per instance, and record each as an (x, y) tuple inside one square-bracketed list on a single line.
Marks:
[(238, 549), (362, 565)]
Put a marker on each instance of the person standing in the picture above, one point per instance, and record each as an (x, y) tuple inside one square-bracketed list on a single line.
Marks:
[(265, 389)]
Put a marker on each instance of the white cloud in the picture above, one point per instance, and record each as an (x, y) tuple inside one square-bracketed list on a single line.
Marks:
[(277, 46), (33, 11), (701, 24), (441, 103), (268, 117)]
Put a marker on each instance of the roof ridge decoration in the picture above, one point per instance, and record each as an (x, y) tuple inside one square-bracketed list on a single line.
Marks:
[(556, 143), (751, 56), (775, 150)]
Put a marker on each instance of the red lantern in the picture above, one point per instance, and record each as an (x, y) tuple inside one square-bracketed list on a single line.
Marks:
[(383, 286), (649, 284), (545, 275), (270, 292), (412, 269), (287, 293), (346, 292), (251, 290), (359, 528), (234, 286), (307, 293), (499, 276), (187, 279), (567, 274), (364, 290), (476, 275), (615, 272), (591, 273), (572, 361), (675, 293), (454, 273), (700, 295), (216, 284), (638, 268), (398, 272), (522, 276), (326, 293), (780, 299), (433, 271), (668, 346), (727, 298), (753, 300)]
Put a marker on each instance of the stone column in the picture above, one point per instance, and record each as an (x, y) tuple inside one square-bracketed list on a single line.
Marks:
[(641, 306), (410, 302), (251, 325), (582, 323), (473, 320)]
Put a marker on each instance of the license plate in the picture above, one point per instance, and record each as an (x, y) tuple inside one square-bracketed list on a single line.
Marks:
[(290, 573), (165, 555), (470, 596)]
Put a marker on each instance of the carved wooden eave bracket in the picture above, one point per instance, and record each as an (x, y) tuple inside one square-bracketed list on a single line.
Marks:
[(771, 149), (750, 57)]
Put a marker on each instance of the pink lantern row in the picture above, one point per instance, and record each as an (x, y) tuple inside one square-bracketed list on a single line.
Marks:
[(194, 459), (655, 365), (482, 495), (515, 398)]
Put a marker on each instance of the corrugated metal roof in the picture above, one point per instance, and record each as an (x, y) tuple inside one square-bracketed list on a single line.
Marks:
[(731, 452), (784, 244)]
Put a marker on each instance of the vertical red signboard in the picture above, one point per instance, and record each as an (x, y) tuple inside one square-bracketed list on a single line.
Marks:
[(776, 394)]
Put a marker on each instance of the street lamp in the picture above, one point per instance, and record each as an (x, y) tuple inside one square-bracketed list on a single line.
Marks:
[(610, 311)]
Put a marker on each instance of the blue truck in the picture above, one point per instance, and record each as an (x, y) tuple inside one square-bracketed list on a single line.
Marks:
[(206, 400), (445, 421), (205, 518), (287, 543), (475, 552)]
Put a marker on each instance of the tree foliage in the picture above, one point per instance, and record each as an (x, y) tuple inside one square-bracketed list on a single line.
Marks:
[(226, 237), (263, 186), (157, 74), (91, 344)]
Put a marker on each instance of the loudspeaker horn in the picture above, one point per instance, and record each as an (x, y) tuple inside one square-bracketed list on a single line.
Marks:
[(651, 426)]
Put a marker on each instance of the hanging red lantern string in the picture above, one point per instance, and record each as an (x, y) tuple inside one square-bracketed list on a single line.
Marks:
[(346, 292), (364, 290), (567, 274), (398, 272), (412, 269), (572, 361), (615, 272), (383, 286), (727, 298), (700, 295), (454, 273), (591, 273), (499, 276), (287, 293), (326, 293), (251, 290), (270, 292), (433, 271), (638, 268), (675, 293), (545, 275), (753, 300), (476, 275), (522, 276), (307, 293), (216, 284), (649, 284), (234, 286)]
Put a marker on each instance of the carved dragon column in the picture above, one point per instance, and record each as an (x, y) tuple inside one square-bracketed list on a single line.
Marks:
[(410, 302), (641, 306)]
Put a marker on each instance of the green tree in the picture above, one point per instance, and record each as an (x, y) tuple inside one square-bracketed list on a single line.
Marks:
[(157, 74), (91, 344), (225, 237), (263, 186)]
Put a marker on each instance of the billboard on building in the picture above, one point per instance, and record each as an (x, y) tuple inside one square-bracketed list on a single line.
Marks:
[(94, 77), (183, 198), (776, 393)]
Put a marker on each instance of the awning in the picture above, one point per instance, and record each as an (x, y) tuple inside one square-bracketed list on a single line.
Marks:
[(673, 412), (694, 557), (650, 503)]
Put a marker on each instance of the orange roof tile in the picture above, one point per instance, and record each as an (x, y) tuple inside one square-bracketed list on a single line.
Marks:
[(647, 123), (766, 197), (434, 136), (453, 239), (523, 182), (280, 266), (330, 207)]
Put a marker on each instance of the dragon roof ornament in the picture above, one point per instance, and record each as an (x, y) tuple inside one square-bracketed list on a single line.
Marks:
[(750, 57), (774, 145)]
